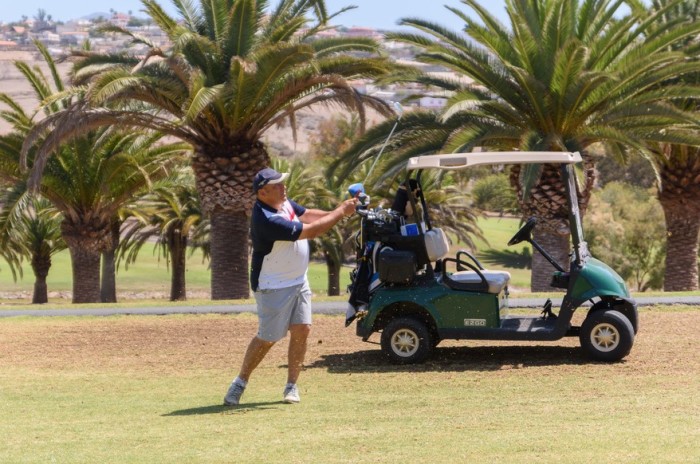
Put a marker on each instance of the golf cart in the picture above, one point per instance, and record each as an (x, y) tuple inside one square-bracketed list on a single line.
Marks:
[(406, 287)]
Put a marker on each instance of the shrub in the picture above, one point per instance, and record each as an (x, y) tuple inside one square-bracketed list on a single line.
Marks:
[(625, 226)]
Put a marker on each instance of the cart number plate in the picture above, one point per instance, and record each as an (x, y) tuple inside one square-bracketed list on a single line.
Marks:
[(475, 323)]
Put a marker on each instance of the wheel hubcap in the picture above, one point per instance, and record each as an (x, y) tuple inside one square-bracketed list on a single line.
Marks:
[(404, 342), (605, 337)]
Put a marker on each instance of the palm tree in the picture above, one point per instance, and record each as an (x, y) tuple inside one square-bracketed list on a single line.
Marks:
[(235, 69), (30, 227), (87, 179), (678, 165), (561, 76), (171, 213)]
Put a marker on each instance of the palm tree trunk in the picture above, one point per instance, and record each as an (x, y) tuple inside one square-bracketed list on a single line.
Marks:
[(85, 261), (558, 248), (679, 196), (229, 255), (86, 243), (108, 288), (681, 248), (178, 250), (40, 266), (224, 177), (333, 267)]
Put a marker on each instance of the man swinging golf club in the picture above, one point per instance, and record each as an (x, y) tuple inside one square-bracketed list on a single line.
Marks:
[(279, 231)]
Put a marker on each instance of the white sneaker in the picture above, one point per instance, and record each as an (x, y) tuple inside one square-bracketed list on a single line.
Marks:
[(291, 393), (234, 393)]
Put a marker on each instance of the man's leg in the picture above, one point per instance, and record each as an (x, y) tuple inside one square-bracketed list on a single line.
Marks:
[(299, 333), (257, 349)]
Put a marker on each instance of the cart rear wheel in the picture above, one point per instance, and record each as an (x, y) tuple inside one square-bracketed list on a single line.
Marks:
[(406, 340), (607, 335)]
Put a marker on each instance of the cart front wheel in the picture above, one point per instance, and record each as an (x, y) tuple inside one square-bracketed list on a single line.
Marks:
[(607, 336), (406, 340)]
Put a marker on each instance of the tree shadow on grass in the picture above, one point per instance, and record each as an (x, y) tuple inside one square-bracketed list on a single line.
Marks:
[(221, 409), (508, 258), (456, 359)]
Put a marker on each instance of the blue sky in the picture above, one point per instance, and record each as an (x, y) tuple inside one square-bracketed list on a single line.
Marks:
[(379, 14)]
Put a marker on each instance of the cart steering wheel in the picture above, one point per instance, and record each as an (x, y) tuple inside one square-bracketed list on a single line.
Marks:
[(524, 232)]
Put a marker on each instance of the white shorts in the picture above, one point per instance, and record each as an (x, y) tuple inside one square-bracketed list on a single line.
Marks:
[(280, 308)]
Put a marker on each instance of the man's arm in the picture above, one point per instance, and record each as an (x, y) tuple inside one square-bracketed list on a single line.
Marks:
[(312, 215), (327, 220)]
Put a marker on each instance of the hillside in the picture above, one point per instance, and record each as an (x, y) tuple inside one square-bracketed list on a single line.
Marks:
[(280, 140)]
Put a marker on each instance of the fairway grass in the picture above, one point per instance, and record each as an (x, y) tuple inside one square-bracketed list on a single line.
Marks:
[(147, 280), (146, 389)]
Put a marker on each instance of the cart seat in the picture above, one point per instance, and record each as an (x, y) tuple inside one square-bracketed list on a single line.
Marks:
[(496, 280)]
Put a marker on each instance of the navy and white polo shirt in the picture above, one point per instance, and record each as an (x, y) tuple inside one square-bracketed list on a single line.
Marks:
[(280, 260)]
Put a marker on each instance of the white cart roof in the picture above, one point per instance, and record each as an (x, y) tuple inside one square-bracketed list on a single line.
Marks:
[(464, 160)]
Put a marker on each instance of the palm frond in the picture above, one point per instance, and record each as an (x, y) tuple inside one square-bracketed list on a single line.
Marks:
[(335, 45), (190, 14), (57, 82), (161, 18), (203, 98), (35, 78), (238, 36)]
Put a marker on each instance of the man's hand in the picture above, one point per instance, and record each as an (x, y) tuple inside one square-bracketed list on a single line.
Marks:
[(348, 206)]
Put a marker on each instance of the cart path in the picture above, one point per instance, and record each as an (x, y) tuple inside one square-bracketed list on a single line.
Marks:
[(331, 307)]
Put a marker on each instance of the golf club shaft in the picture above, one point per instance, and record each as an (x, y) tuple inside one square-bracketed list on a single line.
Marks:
[(397, 106)]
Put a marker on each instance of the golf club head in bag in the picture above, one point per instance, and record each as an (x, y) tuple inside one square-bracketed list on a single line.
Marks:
[(358, 191)]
